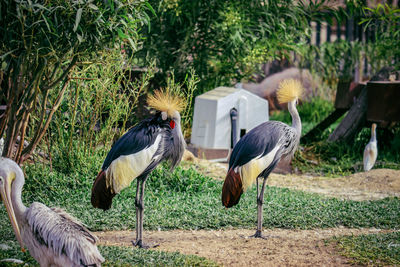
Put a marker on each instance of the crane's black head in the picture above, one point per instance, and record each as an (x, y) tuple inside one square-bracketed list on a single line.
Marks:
[(163, 120)]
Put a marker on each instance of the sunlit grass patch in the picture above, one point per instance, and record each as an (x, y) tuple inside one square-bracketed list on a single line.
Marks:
[(114, 256), (374, 249)]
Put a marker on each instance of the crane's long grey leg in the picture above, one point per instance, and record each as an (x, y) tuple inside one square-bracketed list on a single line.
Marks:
[(260, 200), (140, 214), (137, 204)]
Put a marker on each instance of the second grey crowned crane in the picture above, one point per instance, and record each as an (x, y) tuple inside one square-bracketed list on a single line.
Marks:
[(259, 151)]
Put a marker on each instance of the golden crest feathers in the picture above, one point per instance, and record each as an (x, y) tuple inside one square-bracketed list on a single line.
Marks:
[(289, 90), (164, 101)]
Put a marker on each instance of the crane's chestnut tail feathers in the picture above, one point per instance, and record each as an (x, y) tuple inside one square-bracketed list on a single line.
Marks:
[(232, 189), (101, 194), (289, 90)]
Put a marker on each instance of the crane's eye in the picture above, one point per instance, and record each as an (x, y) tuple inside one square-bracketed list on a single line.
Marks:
[(172, 124)]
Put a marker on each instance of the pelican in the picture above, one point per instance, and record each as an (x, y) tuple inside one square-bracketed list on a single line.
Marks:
[(52, 236), (371, 150)]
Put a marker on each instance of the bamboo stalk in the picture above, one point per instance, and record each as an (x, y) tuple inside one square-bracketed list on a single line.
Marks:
[(28, 150)]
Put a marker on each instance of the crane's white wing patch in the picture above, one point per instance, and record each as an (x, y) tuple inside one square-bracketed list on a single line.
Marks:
[(251, 170), (123, 170)]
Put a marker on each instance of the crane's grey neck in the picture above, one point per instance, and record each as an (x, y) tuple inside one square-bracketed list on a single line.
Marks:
[(16, 191), (296, 122)]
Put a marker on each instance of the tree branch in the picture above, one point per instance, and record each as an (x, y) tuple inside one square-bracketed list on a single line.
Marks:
[(64, 75)]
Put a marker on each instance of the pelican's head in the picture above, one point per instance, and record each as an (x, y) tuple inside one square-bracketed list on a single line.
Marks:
[(7, 178)]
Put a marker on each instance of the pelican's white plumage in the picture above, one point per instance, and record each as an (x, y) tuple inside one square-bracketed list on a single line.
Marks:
[(371, 150), (53, 237)]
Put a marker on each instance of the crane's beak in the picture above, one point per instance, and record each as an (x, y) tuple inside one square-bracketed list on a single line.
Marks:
[(5, 192)]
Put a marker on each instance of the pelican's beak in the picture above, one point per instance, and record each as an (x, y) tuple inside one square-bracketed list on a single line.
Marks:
[(5, 192)]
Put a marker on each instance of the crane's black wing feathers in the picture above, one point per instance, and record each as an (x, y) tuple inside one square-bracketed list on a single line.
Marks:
[(259, 141), (136, 139)]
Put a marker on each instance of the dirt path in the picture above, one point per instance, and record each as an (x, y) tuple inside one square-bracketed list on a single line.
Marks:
[(234, 248)]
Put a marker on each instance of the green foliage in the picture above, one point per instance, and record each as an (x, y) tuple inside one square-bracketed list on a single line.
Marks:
[(222, 40), (51, 31), (98, 105), (384, 19), (332, 61), (311, 113), (41, 44), (339, 60), (375, 249)]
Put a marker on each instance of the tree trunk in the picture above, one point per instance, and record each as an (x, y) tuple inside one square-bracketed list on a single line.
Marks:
[(353, 122), (315, 133)]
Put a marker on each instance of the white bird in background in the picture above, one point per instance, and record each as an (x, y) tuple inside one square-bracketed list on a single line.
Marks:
[(52, 236), (371, 150)]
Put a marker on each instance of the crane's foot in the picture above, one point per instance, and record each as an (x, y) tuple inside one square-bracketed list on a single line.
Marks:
[(259, 234), (139, 243)]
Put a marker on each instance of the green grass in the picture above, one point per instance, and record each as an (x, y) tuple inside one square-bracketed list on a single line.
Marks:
[(186, 199), (117, 256), (189, 200), (375, 249)]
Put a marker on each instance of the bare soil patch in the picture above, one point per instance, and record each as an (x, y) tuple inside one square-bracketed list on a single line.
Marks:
[(371, 185), (235, 248)]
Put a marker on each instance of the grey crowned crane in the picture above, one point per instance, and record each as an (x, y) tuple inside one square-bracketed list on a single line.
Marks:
[(53, 237), (258, 152), (138, 152), (371, 150)]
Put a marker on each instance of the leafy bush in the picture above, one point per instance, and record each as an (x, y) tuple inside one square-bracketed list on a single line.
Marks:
[(97, 106), (41, 44), (223, 40)]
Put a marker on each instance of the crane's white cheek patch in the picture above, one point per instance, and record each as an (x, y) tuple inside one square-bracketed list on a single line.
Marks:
[(251, 170), (125, 169)]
